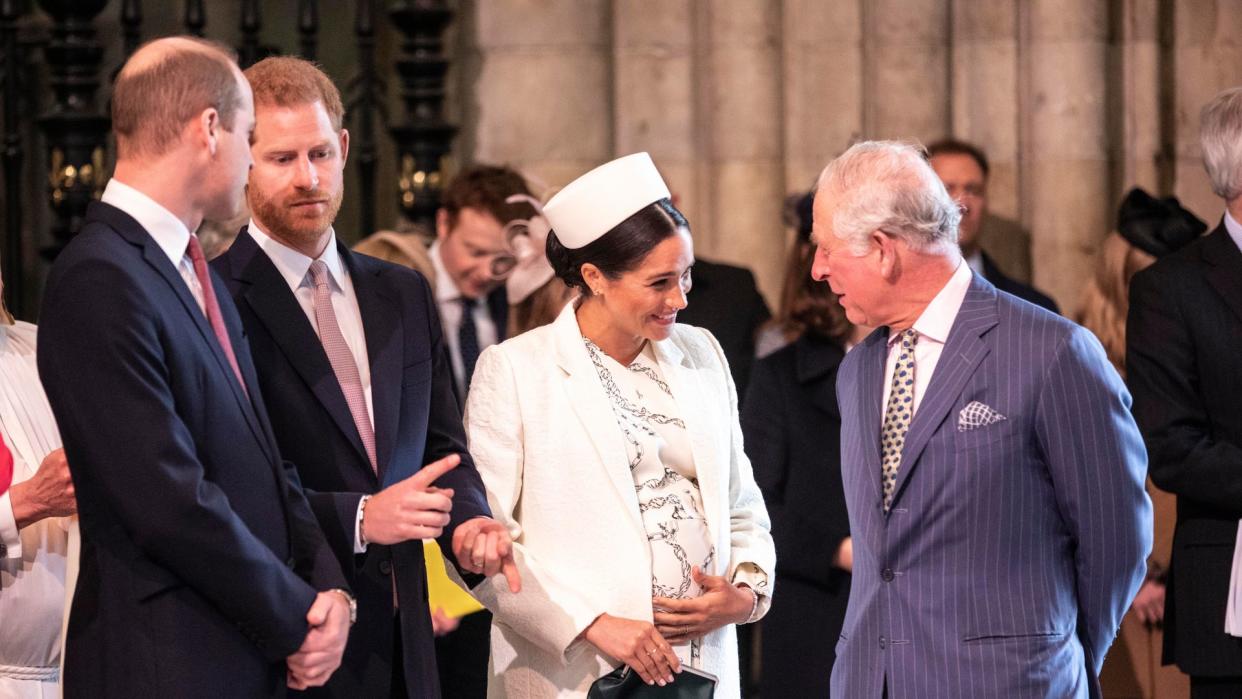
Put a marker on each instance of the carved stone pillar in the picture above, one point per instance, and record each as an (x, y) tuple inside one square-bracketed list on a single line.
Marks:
[(744, 190), (1068, 197), (905, 68), (75, 128)]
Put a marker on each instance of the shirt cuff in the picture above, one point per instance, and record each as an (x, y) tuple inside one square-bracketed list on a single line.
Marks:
[(753, 576), (10, 537), (359, 545)]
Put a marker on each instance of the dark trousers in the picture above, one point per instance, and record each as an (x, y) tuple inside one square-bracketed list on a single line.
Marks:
[(461, 657), (1215, 687), (398, 689)]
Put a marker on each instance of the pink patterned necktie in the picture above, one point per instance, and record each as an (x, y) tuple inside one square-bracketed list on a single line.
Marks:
[(342, 360), (211, 307)]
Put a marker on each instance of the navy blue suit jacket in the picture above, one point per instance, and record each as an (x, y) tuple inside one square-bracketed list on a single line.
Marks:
[(417, 420), (1011, 550), (200, 555)]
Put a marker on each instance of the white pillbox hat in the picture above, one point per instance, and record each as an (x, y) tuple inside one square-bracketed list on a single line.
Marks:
[(593, 204)]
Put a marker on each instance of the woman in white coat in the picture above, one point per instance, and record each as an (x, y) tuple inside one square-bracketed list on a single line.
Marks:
[(609, 444)]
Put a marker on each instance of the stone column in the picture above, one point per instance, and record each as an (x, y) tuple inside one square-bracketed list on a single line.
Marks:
[(542, 92), (905, 68), (742, 186), (1207, 60), (654, 92), (984, 111), (1066, 194), (823, 89), (1141, 107)]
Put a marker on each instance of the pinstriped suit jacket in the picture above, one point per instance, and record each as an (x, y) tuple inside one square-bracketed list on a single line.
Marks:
[(1012, 550)]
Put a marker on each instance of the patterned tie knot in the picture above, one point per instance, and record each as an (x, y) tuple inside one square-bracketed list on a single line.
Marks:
[(319, 273)]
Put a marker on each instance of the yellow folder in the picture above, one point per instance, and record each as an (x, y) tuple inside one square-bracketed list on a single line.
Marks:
[(443, 592)]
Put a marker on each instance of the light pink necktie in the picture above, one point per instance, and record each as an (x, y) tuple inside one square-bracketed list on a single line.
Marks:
[(342, 360), (211, 307)]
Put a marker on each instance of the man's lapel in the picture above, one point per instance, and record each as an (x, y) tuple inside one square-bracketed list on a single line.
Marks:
[(275, 306), (962, 353), (381, 323), (129, 228), (874, 353), (1224, 261)]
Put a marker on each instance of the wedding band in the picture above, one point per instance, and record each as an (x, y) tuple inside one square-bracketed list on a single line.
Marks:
[(477, 563)]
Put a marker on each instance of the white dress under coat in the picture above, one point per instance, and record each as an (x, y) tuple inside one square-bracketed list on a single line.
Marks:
[(544, 437)]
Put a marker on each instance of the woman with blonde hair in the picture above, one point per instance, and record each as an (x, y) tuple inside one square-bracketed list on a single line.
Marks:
[(1147, 228)]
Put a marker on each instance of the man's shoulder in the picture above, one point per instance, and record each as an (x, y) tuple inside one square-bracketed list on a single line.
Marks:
[(1032, 325), (392, 274), (1178, 268)]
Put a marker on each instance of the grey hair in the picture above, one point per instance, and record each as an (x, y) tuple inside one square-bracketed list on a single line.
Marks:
[(1220, 136), (890, 186)]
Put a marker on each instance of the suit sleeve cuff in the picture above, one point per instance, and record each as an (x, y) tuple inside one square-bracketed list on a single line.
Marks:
[(10, 537)]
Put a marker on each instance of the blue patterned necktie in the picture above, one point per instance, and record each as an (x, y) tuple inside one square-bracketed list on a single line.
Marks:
[(468, 339), (897, 415)]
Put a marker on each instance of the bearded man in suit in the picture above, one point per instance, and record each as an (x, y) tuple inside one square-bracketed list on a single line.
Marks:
[(353, 366)]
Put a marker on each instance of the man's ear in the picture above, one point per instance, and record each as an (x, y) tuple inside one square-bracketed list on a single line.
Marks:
[(206, 130), (344, 145), (890, 260)]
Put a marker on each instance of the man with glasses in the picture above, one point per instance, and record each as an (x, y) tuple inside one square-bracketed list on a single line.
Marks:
[(470, 259)]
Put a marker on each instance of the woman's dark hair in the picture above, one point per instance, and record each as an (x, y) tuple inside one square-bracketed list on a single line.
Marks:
[(619, 250)]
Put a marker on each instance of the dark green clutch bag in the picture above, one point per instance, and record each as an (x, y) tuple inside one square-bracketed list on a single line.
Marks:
[(624, 683)]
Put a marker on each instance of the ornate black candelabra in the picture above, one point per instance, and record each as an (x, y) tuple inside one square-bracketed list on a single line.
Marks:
[(308, 28), (75, 129), (14, 155), (425, 138)]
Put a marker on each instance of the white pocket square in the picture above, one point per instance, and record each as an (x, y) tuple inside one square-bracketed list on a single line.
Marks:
[(976, 415)]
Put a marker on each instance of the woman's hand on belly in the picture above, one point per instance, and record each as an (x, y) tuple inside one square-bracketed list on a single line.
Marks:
[(721, 603), (637, 644)]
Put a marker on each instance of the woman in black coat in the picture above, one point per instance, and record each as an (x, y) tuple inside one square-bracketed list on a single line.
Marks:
[(792, 430)]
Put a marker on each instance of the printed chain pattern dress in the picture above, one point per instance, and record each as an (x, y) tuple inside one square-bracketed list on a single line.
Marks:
[(665, 479)]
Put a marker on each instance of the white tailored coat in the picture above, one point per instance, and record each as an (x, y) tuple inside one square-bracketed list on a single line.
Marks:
[(543, 436)]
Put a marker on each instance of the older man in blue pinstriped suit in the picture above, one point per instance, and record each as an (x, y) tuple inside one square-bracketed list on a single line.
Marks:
[(992, 471)]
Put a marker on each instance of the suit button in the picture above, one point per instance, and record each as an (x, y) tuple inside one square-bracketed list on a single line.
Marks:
[(886, 575), (883, 643), (385, 568)]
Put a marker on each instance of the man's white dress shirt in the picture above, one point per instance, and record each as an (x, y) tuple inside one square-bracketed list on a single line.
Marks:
[(449, 304), (35, 559), (933, 327), (169, 232), (295, 268)]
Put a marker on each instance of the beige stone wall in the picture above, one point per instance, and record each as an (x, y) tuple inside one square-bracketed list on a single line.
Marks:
[(743, 101)]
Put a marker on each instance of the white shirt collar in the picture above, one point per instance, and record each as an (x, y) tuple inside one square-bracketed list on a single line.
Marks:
[(1234, 229), (168, 231), (937, 319), (446, 288), (293, 265)]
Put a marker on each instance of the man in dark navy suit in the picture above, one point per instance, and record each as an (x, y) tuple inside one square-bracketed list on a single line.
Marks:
[(964, 169), (203, 571), (352, 363)]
